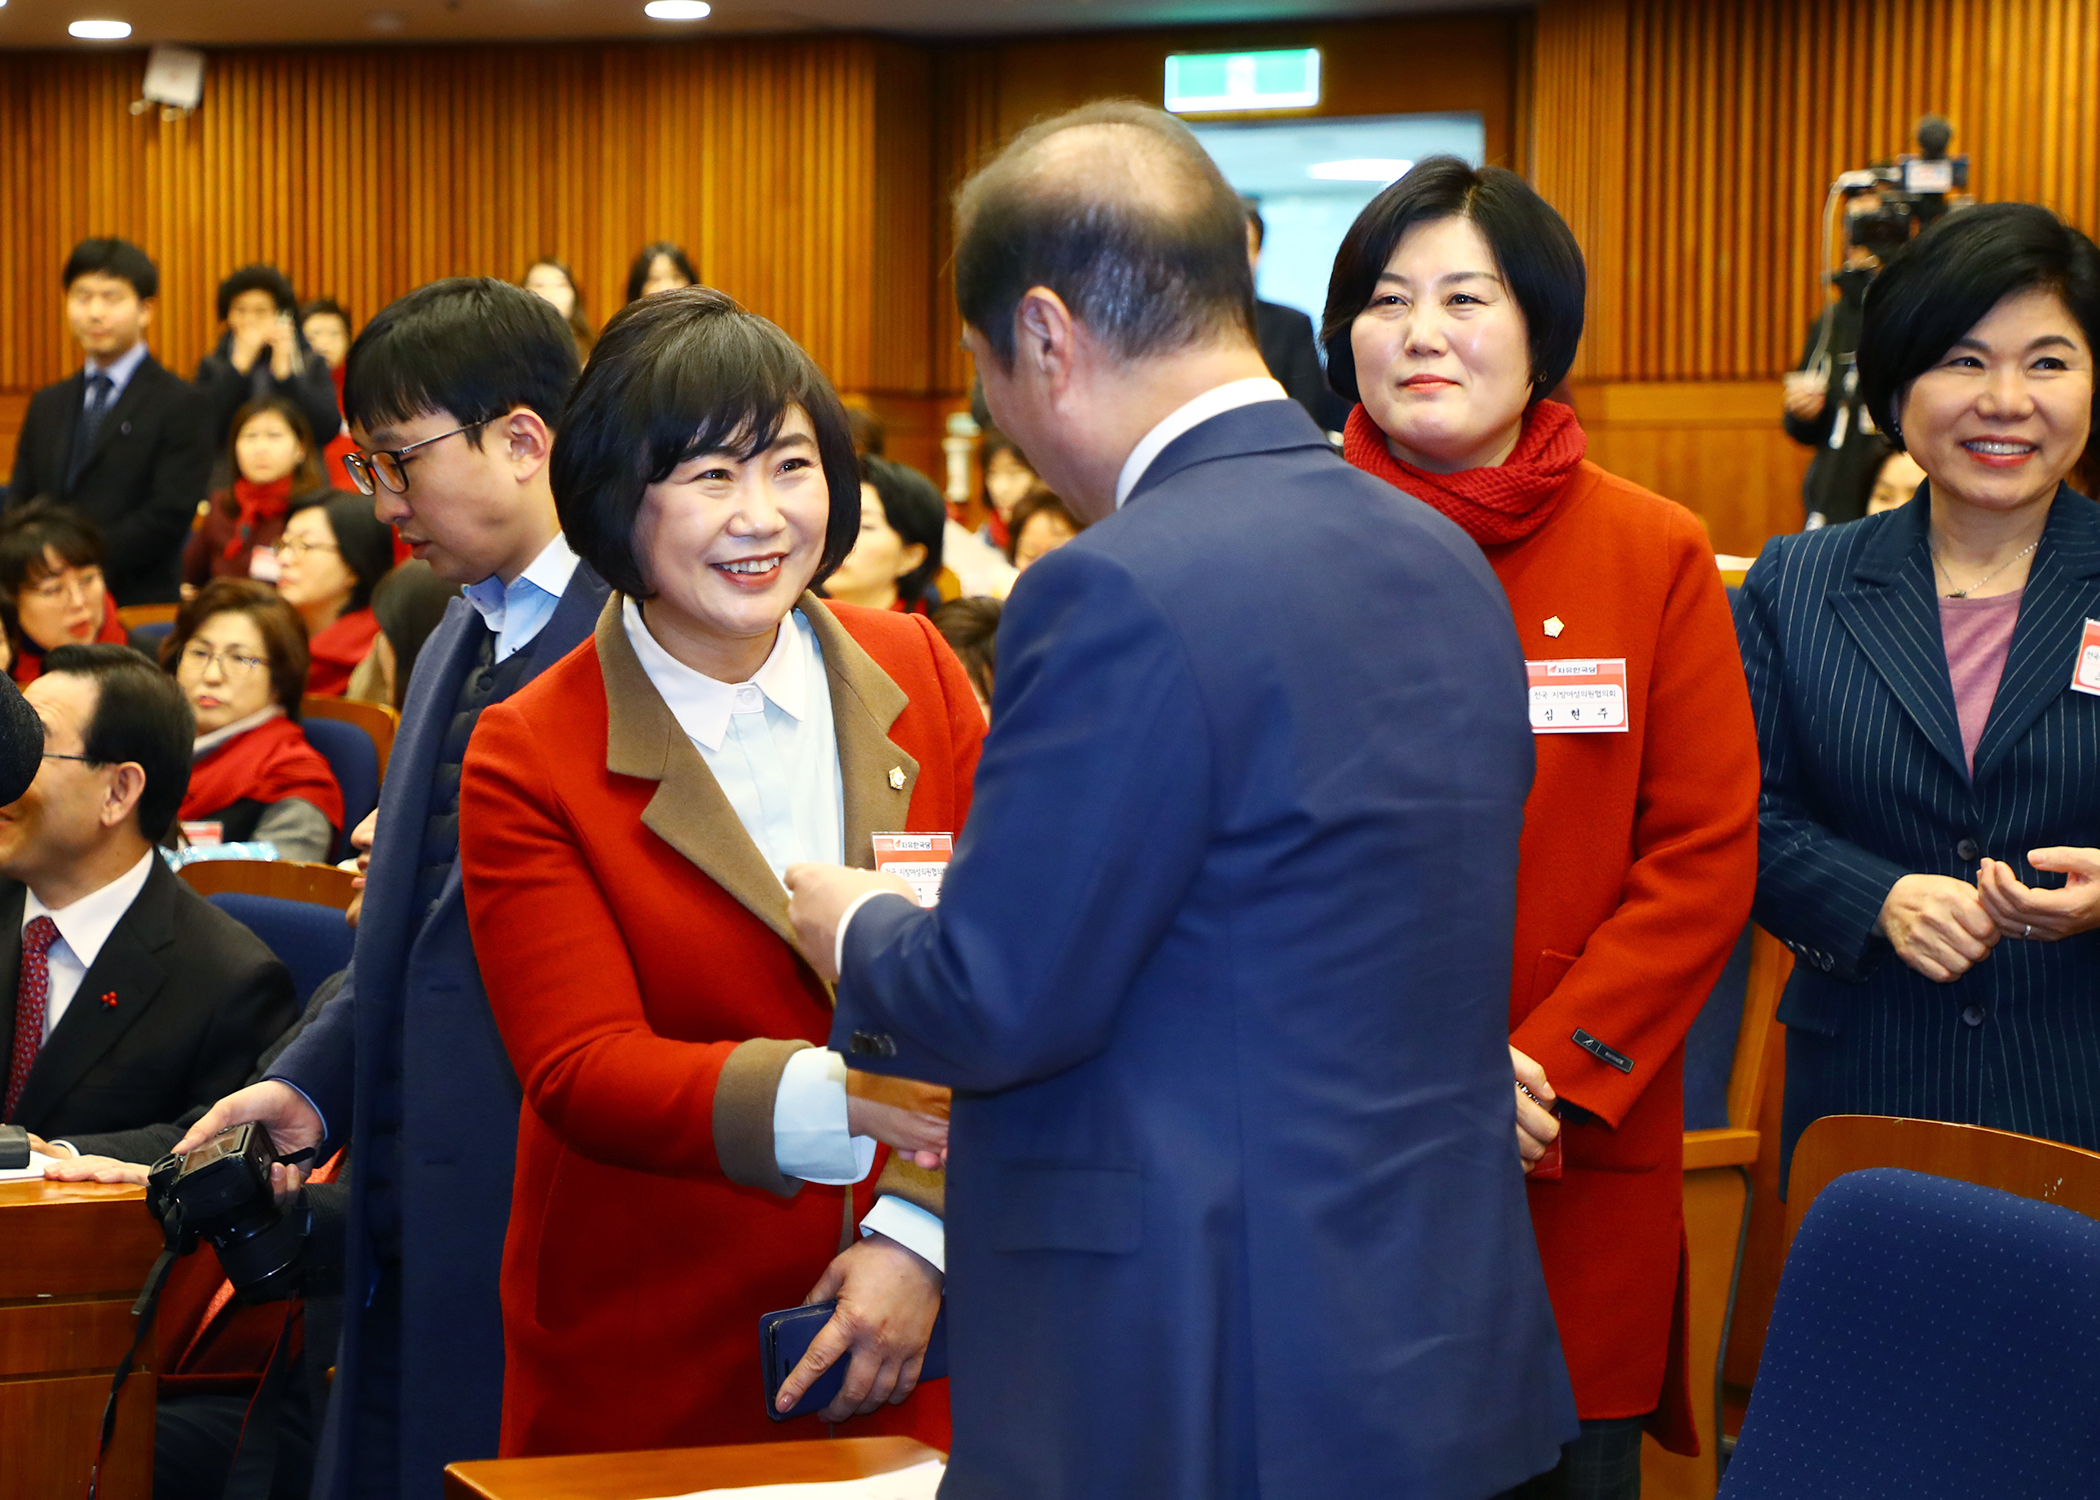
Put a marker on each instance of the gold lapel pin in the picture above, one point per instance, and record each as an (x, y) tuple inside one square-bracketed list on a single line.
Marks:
[(1554, 626), (896, 778)]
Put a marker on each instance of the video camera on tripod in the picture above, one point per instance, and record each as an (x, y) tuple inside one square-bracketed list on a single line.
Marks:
[(1913, 191)]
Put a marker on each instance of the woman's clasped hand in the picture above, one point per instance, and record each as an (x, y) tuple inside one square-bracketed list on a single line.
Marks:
[(1944, 927)]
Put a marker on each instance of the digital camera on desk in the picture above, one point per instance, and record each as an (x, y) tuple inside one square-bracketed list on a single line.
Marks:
[(220, 1194)]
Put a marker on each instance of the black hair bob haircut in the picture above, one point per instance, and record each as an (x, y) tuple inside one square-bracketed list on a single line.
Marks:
[(472, 347), (916, 512), (1534, 250), (325, 307), (673, 376), (29, 530), (363, 541), (638, 273), (140, 716), (112, 257), (258, 278), (1947, 280)]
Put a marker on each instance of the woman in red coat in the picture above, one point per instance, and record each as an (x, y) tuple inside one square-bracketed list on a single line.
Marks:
[(689, 1155), (1456, 303)]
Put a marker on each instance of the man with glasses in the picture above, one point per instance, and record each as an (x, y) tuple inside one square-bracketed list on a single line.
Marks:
[(453, 395), (135, 1000)]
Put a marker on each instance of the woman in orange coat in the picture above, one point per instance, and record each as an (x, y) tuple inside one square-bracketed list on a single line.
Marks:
[(689, 1155), (1456, 303)]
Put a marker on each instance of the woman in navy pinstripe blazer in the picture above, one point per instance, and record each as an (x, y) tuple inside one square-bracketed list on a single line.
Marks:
[(1931, 802)]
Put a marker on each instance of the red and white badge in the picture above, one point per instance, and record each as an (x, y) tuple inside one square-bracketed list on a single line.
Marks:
[(2086, 677), (1579, 696), (919, 859)]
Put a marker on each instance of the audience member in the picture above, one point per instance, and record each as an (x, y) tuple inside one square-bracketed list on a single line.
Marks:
[(898, 555), (870, 437), (136, 999), (1896, 481), (331, 557), (51, 588), (1931, 764), (327, 330), (1041, 523), (552, 279), (125, 442), (659, 267), (263, 354), (238, 650), (1455, 305), (408, 604), (1286, 338), (455, 392), (971, 629), (275, 465), (1007, 477), (21, 741), (1223, 955), (706, 471)]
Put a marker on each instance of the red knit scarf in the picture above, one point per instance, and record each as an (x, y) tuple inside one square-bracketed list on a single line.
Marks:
[(268, 763), (1502, 504), (256, 503)]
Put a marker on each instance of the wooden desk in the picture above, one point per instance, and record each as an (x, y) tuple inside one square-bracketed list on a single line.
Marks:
[(72, 1259), (680, 1471)]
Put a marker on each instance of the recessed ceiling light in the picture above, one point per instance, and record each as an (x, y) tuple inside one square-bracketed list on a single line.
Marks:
[(100, 31), (1360, 169), (677, 10)]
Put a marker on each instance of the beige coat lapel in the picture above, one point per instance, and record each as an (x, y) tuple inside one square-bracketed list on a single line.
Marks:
[(876, 776)]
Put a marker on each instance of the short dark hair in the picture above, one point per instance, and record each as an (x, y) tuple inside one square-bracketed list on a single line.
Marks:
[(365, 543), (1039, 501), (283, 632), (27, 530), (1150, 268), (471, 346), (258, 278), (140, 716), (112, 257), (1533, 247), (1255, 221), (309, 475), (645, 258), (971, 629), (1947, 280), (676, 375), (324, 307), (916, 512)]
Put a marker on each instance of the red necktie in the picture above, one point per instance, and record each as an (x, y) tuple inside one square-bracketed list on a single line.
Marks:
[(32, 994)]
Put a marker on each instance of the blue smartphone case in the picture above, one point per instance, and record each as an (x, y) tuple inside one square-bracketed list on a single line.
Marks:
[(784, 1337)]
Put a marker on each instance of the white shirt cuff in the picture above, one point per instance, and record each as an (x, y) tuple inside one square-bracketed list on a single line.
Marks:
[(838, 957), (910, 1226), (810, 1140)]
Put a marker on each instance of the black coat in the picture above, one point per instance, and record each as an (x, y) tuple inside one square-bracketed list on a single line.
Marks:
[(197, 999), (141, 482), (226, 390), (1286, 338)]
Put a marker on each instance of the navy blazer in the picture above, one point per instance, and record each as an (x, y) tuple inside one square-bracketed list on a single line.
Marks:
[(1221, 977), (1865, 782), (412, 1024)]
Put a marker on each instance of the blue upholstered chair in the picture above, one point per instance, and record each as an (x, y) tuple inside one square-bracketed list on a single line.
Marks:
[(1931, 1338), (312, 940), (353, 757)]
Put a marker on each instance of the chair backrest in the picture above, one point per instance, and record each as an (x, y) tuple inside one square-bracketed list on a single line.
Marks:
[(136, 616), (323, 885), (2046, 1171), (312, 940), (1931, 1338), (148, 637), (379, 721), (353, 757)]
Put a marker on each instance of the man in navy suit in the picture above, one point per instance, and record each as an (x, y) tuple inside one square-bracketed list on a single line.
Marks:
[(454, 394), (1220, 973)]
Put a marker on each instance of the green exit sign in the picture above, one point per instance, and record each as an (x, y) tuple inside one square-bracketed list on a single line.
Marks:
[(1215, 82)]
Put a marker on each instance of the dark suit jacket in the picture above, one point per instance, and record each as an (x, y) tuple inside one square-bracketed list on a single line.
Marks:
[(1288, 348), (1220, 975), (412, 1023), (1865, 782), (226, 390), (149, 468), (197, 998)]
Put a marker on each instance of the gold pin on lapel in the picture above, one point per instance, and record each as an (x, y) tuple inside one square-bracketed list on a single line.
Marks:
[(1554, 626), (896, 778)]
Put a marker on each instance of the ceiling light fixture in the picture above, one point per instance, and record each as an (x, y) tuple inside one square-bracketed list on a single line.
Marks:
[(100, 31), (1380, 169), (677, 10)]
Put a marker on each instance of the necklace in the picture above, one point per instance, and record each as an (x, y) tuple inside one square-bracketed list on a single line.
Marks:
[(1986, 578)]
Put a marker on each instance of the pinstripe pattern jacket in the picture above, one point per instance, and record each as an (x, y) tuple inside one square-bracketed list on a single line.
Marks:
[(1865, 782)]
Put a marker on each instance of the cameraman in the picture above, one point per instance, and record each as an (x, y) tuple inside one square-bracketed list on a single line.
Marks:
[(1823, 406)]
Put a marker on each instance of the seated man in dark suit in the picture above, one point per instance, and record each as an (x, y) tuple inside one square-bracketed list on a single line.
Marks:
[(135, 999), (1286, 338), (123, 441)]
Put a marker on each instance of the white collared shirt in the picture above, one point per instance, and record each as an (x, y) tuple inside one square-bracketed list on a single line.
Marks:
[(84, 925), (119, 370), (1214, 402), (519, 610)]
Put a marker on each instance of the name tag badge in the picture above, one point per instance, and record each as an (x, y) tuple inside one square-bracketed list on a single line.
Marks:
[(2086, 679), (1583, 696), (918, 859)]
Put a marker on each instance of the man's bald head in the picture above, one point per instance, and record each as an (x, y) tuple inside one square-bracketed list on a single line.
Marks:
[(1118, 210)]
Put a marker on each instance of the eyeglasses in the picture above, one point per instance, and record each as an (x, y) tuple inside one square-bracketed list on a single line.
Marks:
[(67, 586), (370, 470), (296, 549), (199, 658), (86, 760)]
